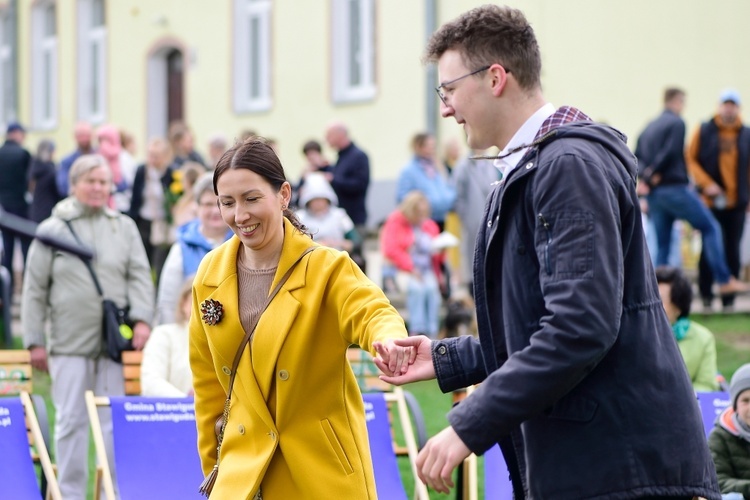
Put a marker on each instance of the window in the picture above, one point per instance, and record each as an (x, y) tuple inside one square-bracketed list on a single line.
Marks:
[(92, 63), (8, 75), (252, 55), (44, 66), (353, 50)]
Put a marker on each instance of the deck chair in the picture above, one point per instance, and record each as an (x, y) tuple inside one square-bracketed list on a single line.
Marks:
[(155, 449), (131, 371), (383, 404), (16, 378), (711, 405), (19, 433)]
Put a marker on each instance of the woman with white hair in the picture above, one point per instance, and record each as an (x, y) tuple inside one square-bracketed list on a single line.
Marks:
[(58, 287)]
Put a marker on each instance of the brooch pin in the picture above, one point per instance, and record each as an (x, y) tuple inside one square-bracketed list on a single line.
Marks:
[(212, 311)]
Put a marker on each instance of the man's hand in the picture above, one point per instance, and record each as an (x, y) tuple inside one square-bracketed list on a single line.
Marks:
[(394, 359), (39, 358), (420, 366), (439, 457), (713, 190), (141, 333)]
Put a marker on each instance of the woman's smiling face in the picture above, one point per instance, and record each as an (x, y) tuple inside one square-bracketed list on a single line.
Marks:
[(253, 208)]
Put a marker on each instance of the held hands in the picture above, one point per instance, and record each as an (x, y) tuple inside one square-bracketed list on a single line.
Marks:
[(420, 357), (439, 457), (393, 359)]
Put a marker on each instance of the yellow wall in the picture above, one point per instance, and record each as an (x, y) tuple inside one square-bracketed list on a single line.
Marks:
[(611, 59)]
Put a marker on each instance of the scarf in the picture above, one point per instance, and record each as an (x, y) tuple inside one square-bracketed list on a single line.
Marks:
[(680, 328)]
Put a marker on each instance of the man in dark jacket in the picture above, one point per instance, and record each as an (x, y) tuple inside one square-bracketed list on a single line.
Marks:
[(14, 169), (661, 154), (718, 159), (582, 383), (351, 174)]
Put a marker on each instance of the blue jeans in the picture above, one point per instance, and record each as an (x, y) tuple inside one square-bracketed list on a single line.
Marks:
[(423, 303), (669, 203)]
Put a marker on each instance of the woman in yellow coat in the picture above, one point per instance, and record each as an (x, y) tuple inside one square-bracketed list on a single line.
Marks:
[(296, 425)]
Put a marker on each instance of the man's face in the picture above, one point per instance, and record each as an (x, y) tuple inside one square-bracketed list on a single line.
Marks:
[(466, 100), (157, 156), (729, 111)]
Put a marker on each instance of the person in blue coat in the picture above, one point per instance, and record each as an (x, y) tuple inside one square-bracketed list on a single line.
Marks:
[(194, 240), (424, 174), (582, 383)]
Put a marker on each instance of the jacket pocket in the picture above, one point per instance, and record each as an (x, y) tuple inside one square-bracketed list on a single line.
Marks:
[(565, 244), (333, 440)]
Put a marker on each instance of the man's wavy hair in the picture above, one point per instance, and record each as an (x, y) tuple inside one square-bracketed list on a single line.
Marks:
[(491, 34)]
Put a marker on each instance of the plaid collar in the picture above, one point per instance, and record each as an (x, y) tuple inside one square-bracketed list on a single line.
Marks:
[(563, 115)]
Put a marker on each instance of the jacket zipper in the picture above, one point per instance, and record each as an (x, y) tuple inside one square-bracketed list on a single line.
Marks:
[(545, 224)]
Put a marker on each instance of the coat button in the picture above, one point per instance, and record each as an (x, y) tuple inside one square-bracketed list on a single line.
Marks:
[(284, 375), (489, 223), (241, 428), (226, 370), (272, 435), (442, 350), (529, 165)]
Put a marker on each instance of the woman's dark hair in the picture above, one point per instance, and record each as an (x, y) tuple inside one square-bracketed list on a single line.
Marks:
[(680, 292), (256, 155)]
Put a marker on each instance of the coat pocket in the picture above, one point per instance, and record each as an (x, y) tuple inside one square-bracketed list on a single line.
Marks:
[(577, 409), (336, 447)]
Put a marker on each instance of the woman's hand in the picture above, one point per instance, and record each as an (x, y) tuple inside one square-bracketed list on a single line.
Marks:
[(420, 356), (393, 359)]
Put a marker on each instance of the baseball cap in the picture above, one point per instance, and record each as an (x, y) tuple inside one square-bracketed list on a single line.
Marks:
[(14, 127), (730, 95)]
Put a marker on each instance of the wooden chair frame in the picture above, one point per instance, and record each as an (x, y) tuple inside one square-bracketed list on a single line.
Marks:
[(48, 469)]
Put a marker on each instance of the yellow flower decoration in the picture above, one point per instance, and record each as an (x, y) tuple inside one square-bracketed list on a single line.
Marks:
[(176, 186)]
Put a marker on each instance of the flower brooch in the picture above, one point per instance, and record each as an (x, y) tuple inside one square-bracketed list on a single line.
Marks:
[(212, 311)]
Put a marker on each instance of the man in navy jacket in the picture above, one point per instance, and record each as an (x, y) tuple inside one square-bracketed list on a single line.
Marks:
[(582, 383)]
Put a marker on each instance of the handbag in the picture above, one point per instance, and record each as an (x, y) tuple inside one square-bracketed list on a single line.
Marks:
[(117, 329), (208, 483)]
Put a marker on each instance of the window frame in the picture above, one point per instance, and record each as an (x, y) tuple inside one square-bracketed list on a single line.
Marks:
[(44, 80), (343, 44), (247, 11), (92, 79), (9, 94)]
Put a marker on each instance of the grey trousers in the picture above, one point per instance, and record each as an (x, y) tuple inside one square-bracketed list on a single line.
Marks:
[(71, 377)]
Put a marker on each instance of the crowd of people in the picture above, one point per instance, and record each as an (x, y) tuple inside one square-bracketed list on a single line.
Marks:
[(546, 297)]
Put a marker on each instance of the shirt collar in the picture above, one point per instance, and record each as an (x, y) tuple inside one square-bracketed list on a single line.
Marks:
[(524, 135)]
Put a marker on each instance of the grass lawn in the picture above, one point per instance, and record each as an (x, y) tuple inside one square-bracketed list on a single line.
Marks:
[(733, 349)]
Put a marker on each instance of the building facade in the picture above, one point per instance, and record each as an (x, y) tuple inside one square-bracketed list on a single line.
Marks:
[(285, 69)]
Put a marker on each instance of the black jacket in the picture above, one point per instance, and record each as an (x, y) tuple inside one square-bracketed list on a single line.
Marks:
[(661, 150), (583, 384), (14, 168), (351, 178), (708, 157), (139, 183)]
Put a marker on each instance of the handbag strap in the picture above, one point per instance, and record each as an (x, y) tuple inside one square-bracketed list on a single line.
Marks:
[(86, 261), (249, 333)]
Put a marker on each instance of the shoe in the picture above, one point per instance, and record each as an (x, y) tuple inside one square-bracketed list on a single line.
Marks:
[(707, 305), (734, 287), (727, 309)]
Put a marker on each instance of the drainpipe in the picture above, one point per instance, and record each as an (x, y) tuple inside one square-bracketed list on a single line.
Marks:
[(431, 102)]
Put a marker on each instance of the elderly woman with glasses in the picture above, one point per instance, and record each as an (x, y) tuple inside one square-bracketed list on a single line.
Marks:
[(58, 287)]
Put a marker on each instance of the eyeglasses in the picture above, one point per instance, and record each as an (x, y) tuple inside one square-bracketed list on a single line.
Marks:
[(439, 88)]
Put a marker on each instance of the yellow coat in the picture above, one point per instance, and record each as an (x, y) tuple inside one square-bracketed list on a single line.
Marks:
[(317, 445)]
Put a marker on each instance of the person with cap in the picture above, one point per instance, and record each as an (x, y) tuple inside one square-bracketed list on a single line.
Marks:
[(718, 158), (729, 440), (14, 171), (664, 179)]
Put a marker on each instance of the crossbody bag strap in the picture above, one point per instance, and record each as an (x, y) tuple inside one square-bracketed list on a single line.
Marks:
[(249, 333), (86, 261)]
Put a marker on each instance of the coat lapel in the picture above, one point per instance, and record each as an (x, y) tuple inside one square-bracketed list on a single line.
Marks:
[(277, 321), (225, 337)]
